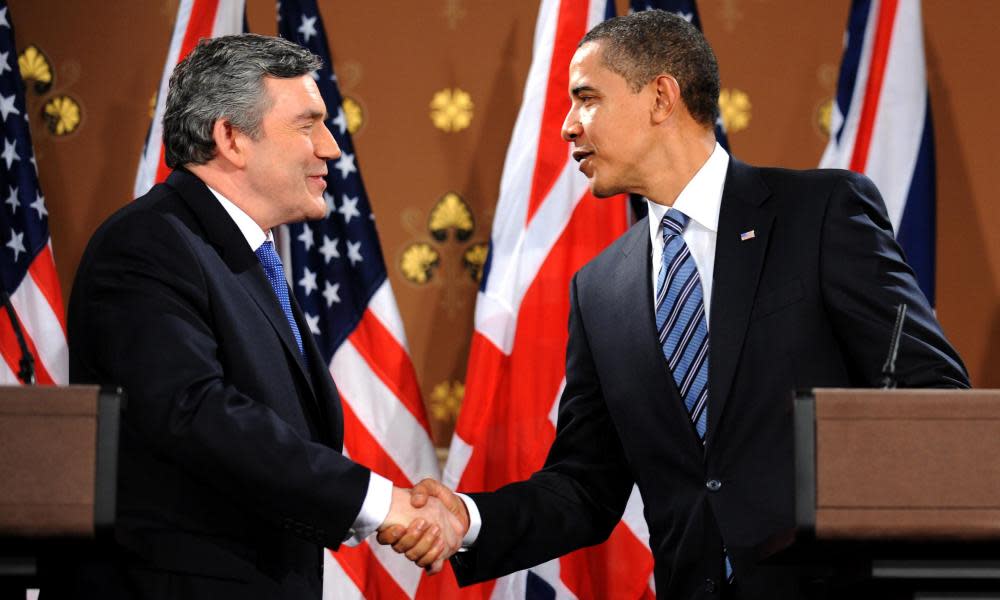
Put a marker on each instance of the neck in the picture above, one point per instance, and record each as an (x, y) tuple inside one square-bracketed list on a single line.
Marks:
[(679, 160), (228, 183)]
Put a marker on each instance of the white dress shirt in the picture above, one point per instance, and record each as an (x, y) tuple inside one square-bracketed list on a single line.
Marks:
[(700, 200), (378, 498)]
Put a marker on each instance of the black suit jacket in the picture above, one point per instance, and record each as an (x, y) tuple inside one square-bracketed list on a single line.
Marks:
[(809, 301), (231, 470)]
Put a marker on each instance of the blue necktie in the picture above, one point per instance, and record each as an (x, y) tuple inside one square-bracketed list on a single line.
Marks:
[(683, 326), (276, 275)]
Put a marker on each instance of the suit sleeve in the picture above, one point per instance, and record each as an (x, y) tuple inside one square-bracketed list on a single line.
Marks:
[(578, 496), (864, 278), (144, 323)]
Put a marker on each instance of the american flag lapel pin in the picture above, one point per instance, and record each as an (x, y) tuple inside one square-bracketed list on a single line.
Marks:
[(747, 235)]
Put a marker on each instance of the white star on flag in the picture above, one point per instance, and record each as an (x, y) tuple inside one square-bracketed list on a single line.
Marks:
[(39, 205), (3, 17), (306, 237), (331, 293), (689, 16), (349, 208), (354, 252), (341, 120), (12, 200), (308, 281), (329, 249), (313, 323), (7, 106), (308, 27), (330, 205), (9, 152), (16, 243), (4, 63), (346, 165)]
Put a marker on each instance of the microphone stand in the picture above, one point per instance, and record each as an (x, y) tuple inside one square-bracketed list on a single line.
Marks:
[(889, 369)]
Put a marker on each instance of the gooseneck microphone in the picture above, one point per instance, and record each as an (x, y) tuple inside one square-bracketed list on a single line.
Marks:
[(26, 372), (889, 368)]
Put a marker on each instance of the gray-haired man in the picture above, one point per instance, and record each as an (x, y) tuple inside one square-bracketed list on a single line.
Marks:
[(231, 478)]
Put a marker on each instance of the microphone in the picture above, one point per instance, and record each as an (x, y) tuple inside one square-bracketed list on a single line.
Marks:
[(889, 368), (26, 373)]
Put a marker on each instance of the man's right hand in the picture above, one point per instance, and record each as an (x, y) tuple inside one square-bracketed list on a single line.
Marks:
[(429, 531), (417, 541)]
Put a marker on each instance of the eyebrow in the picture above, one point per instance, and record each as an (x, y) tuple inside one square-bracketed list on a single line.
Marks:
[(311, 115), (580, 89)]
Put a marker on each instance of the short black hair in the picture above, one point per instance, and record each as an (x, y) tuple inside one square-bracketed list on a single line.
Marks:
[(649, 43)]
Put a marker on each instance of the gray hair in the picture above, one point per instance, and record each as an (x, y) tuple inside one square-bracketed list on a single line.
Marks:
[(222, 78), (647, 44)]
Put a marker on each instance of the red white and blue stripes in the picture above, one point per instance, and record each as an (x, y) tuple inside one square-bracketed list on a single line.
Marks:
[(881, 122)]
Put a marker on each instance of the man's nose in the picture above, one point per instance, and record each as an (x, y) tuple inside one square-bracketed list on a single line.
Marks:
[(326, 145), (571, 128)]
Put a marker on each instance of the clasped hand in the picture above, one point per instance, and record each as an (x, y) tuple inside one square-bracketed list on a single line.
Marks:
[(426, 524)]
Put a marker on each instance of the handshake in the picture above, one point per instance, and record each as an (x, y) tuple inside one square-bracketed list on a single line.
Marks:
[(426, 523)]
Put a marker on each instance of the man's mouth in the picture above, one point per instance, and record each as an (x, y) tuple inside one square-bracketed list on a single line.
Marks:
[(579, 155)]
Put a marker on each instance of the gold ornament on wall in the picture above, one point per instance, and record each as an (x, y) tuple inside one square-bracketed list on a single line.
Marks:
[(446, 400), (35, 66), (451, 212), (418, 262), (451, 109), (354, 114), (824, 116), (62, 115), (735, 108), (474, 258)]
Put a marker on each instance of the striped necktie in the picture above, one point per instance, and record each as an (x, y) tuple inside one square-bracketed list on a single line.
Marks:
[(682, 325), (681, 321), (276, 276)]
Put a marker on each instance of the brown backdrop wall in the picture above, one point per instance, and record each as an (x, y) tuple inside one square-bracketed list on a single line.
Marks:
[(779, 61)]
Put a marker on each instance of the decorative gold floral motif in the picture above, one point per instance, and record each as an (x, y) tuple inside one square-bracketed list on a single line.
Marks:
[(446, 400), (34, 66), (451, 110), (354, 113), (824, 114), (735, 108), (418, 262), (62, 115), (474, 258), (451, 211)]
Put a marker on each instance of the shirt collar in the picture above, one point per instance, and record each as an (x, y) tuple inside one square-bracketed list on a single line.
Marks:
[(701, 198), (254, 235)]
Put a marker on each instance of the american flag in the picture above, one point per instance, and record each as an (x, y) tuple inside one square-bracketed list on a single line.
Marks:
[(196, 19), (881, 122), (28, 271), (547, 226), (339, 278)]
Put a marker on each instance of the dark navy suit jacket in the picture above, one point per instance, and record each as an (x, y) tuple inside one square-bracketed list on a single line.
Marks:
[(809, 301), (231, 476)]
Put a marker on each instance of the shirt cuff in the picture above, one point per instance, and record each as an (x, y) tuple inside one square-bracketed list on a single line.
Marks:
[(475, 521), (374, 510)]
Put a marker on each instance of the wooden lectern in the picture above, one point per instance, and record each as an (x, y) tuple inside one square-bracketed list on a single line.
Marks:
[(58, 468), (906, 481)]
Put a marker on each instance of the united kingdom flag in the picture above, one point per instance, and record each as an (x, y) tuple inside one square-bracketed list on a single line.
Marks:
[(26, 266), (340, 281)]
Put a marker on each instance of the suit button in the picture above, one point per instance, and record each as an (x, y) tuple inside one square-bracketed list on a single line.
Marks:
[(713, 485), (710, 586)]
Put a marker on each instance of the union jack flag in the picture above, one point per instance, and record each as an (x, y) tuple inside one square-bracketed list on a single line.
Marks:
[(27, 268), (881, 122), (547, 226), (340, 280)]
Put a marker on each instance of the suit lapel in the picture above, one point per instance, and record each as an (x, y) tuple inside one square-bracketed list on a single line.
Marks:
[(738, 264), (225, 236), (633, 302)]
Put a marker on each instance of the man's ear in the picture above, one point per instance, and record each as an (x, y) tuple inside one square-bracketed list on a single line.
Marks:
[(230, 143), (667, 95)]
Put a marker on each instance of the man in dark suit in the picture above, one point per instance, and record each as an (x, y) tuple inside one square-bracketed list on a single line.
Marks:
[(231, 477), (689, 334)]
